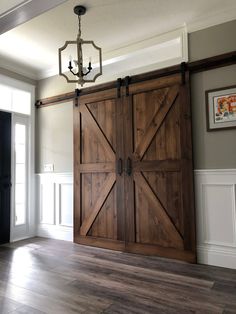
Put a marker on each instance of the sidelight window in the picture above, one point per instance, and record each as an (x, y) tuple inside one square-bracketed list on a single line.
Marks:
[(20, 174)]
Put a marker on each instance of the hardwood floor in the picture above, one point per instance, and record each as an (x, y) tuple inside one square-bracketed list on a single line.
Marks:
[(49, 276)]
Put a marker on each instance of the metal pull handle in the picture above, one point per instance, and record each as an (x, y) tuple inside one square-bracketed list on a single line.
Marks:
[(128, 167), (119, 166)]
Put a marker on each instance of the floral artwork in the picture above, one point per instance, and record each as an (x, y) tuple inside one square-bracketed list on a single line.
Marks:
[(225, 108), (221, 108)]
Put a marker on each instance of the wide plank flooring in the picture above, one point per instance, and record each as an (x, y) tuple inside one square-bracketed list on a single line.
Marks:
[(50, 276)]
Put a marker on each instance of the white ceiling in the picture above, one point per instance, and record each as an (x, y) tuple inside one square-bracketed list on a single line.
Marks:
[(32, 48)]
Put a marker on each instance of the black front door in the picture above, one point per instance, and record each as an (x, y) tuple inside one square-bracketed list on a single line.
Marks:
[(5, 176)]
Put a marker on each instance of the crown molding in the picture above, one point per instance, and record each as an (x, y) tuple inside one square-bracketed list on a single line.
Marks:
[(17, 68)]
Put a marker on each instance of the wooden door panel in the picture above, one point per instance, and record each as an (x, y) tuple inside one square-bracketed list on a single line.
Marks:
[(154, 224), (105, 224), (96, 188), (104, 113), (95, 178), (159, 109), (161, 213), (165, 142), (95, 144), (167, 185), (133, 169)]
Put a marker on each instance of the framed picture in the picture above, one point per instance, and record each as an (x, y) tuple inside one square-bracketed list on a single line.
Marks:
[(221, 108)]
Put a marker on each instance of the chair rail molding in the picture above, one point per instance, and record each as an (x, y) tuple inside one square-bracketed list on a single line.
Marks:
[(215, 199), (55, 205)]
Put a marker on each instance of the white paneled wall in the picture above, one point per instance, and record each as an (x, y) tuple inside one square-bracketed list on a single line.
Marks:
[(215, 197), (216, 217), (55, 205)]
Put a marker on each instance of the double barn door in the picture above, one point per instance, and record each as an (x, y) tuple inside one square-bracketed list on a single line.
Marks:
[(133, 169)]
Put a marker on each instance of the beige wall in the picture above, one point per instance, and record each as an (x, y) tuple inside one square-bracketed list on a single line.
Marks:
[(212, 150), (215, 149), (52, 86), (212, 41), (54, 143)]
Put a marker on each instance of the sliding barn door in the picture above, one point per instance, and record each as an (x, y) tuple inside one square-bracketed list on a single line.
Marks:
[(99, 181), (133, 169), (158, 181)]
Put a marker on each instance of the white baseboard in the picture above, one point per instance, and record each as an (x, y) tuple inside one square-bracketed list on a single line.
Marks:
[(217, 257), (55, 232)]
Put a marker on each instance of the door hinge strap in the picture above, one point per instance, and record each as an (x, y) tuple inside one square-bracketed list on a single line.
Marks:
[(119, 167), (118, 86), (183, 67), (127, 82), (77, 94), (129, 166)]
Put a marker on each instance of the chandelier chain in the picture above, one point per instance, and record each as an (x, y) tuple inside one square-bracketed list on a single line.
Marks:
[(79, 18)]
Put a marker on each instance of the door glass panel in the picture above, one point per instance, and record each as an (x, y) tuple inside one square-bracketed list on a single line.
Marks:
[(20, 153), (20, 193), (19, 134), (20, 174), (20, 210)]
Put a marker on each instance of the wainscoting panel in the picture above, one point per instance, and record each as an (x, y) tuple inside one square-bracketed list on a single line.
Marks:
[(47, 195), (65, 204), (216, 217), (55, 205)]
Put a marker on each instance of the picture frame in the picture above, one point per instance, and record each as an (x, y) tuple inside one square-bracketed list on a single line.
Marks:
[(221, 108)]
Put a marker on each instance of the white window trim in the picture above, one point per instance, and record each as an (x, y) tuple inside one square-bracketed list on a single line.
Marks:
[(30, 231)]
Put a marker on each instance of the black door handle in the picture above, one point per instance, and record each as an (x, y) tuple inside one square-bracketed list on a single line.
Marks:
[(128, 166), (119, 166)]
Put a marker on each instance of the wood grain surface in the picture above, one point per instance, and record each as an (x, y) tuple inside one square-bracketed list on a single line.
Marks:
[(133, 169), (56, 277)]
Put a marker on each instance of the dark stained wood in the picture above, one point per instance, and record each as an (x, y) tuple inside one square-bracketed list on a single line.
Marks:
[(159, 211), (132, 169), (211, 63), (95, 167), (62, 277), (157, 165), (187, 194), (129, 202), (77, 162), (101, 197), (98, 188), (156, 121), (120, 186)]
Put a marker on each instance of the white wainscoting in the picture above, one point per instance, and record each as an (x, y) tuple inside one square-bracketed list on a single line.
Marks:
[(55, 205), (215, 200)]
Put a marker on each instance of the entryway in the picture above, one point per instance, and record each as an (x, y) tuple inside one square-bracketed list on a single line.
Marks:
[(17, 218)]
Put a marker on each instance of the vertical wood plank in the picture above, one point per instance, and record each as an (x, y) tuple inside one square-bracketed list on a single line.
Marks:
[(187, 167), (77, 161), (130, 225)]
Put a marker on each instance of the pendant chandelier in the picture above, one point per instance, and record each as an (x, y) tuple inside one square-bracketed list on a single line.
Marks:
[(79, 55)]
